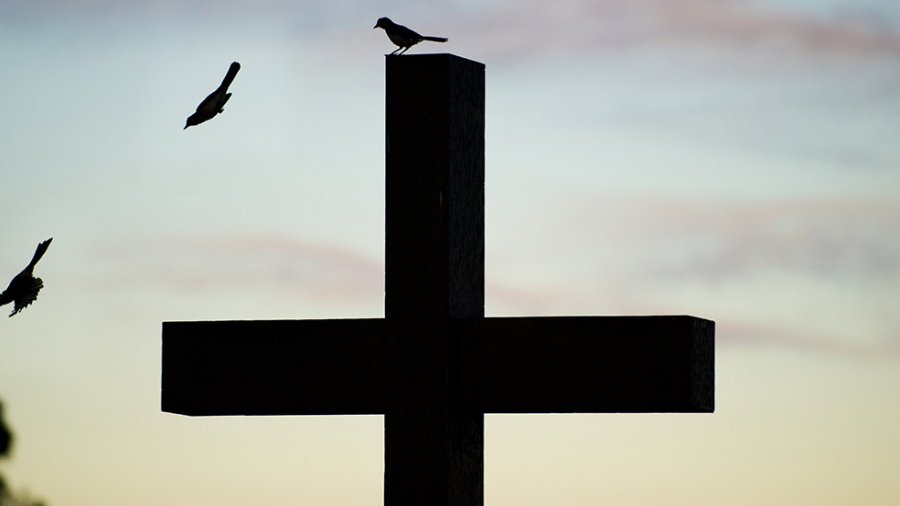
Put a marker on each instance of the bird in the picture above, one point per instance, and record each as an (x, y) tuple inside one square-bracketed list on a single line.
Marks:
[(214, 103), (402, 36), (24, 288), (6, 439)]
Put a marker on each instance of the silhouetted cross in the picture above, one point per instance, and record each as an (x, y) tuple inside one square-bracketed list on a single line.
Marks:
[(434, 365)]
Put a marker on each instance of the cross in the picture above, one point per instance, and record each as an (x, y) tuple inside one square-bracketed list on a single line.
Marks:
[(434, 365)]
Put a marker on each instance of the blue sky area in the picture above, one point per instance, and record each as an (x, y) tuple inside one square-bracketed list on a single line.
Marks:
[(735, 160)]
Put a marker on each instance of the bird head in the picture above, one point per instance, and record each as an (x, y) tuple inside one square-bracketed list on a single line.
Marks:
[(382, 23)]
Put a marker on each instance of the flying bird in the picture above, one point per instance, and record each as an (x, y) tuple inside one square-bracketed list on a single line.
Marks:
[(214, 103), (24, 288), (402, 36)]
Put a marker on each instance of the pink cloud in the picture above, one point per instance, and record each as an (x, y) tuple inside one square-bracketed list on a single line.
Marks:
[(511, 31), (715, 239), (580, 26), (817, 237), (816, 274), (742, 332), (340, 276), (246, 264)]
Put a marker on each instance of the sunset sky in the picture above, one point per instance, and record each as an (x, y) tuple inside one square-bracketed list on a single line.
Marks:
[(736, 160)]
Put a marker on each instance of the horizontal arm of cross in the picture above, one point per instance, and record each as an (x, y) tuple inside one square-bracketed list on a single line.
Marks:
[(500, 365)]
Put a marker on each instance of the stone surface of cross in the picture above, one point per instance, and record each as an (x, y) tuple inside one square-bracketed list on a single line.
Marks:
[(433, 366)]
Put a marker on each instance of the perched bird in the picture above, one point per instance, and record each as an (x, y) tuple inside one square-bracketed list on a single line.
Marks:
[(214, 103), (24, 288), (402, 36)]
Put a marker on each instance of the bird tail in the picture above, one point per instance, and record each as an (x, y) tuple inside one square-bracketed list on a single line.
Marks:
[(39, 252), (232, 72), (436, 39)]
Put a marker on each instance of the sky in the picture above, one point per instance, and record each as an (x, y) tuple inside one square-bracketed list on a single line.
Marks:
[(733, 160)]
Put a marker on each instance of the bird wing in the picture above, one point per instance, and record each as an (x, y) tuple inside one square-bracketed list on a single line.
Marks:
[(26, 294), (210, 104), (403, 36)]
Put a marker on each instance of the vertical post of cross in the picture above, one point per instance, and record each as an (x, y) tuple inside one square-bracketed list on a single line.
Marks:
[(434, 256)]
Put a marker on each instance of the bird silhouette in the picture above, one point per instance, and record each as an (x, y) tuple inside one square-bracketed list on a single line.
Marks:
[(214, 103), (24, 288), (402, 36)]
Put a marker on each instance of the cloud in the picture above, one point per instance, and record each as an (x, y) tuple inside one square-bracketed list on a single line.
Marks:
[(757, 334), (818, 275), (820, 237), (810, 274), (518, 29), (501, 31), (670, 241), (243, 264)]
